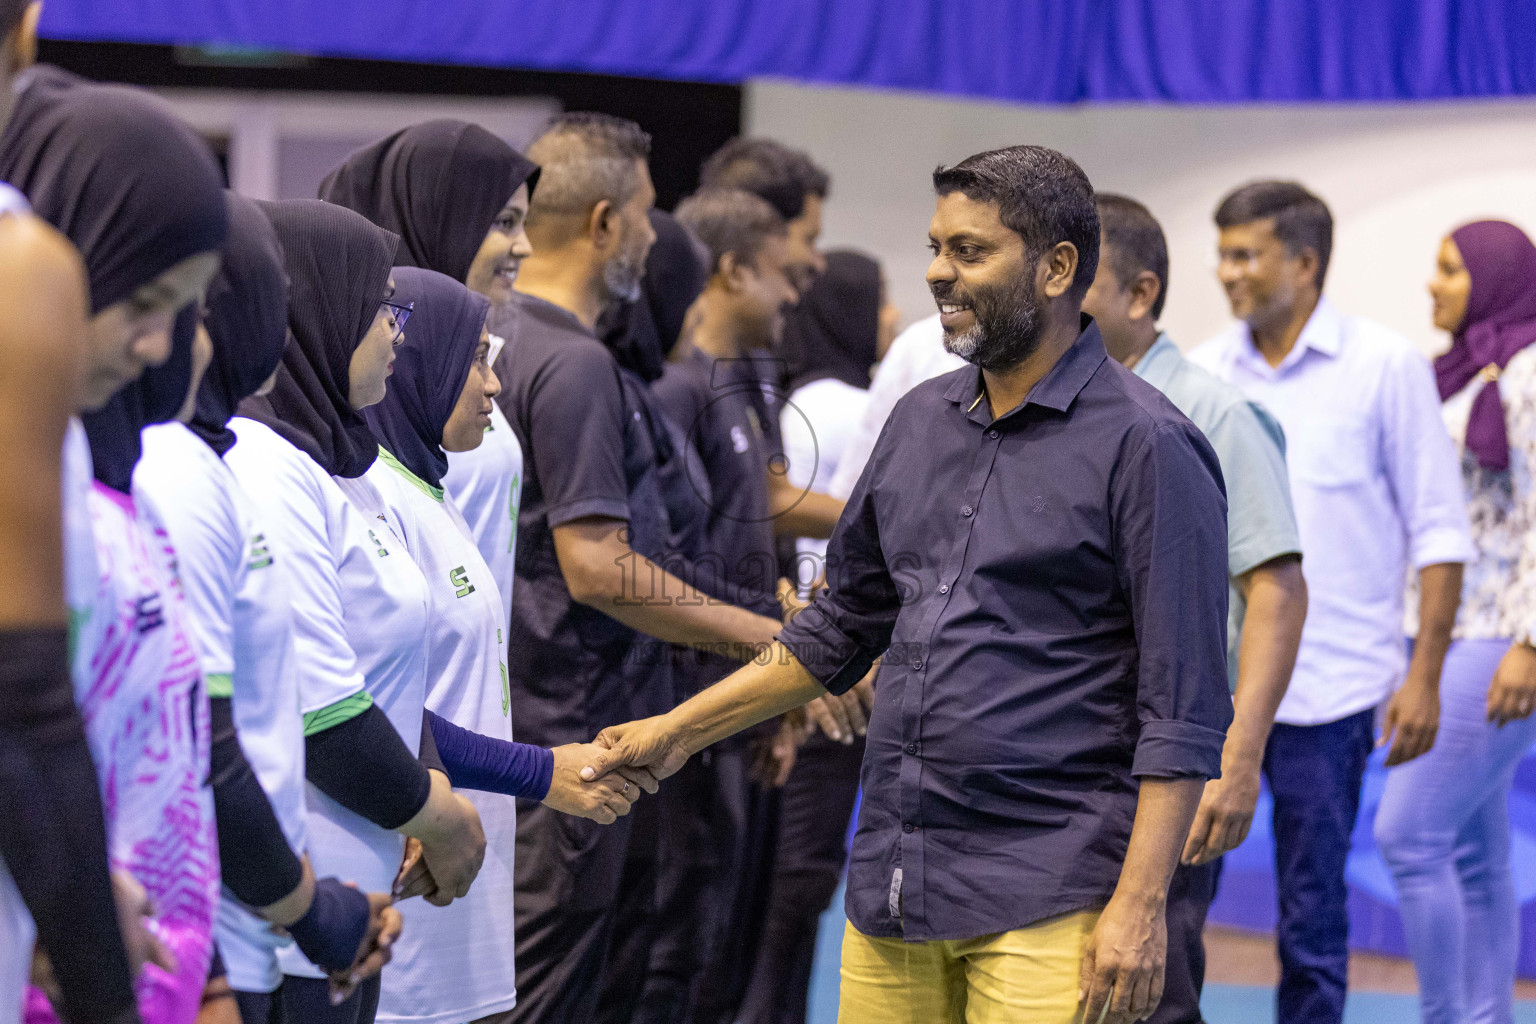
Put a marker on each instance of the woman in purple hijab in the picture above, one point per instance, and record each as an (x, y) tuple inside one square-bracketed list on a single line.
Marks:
[(1443, 822)]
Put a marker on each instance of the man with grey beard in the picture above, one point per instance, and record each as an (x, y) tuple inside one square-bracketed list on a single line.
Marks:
[(1037, 550), (591, 519)]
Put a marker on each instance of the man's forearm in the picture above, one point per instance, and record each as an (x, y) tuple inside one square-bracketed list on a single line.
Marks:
[(752, 694), (603, 572), (1276, 594), (722, 628), (1439, 598), (1164, 811), (801, 513)]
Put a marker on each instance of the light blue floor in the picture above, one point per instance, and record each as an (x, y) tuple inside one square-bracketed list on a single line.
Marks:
[(1223, 1004)]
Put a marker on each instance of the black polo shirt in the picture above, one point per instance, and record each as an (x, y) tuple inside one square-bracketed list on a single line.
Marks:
[(722, 408), (1050, 593), (588, 450)]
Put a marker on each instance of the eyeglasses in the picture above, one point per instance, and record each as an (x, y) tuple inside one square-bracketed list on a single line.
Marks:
[(400, 314)]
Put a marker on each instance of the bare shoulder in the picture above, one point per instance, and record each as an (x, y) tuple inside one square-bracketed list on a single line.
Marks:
[(43, 295)]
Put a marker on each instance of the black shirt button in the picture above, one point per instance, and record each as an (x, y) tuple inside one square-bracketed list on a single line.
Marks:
[(917, 662), (967, 510), (912, 748), (943, 588), (992, 434), (909, 828)]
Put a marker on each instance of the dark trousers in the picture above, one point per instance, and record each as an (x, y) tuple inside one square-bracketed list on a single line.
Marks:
[(700, 816), (636, 918), (567, 888), (1189, 900), (308, 1001), (1314, 774), (814, 808), (739, 903), (259, 1007)]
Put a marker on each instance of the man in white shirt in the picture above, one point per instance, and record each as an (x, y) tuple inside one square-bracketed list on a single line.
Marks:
[(1377, 491)]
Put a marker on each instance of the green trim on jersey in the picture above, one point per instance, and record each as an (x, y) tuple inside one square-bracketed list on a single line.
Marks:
[(219, 684), (332, 715), (78, 617), (435, 493)]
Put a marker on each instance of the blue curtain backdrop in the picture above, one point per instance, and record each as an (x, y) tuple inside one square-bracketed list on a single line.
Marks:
[(1035, 51)]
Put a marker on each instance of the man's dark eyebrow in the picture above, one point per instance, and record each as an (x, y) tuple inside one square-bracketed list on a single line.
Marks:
[(958, 237)]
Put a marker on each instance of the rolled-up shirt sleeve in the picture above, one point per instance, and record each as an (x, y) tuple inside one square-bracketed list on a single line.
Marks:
[(1170, 533), (839, 636), (1422, 465)]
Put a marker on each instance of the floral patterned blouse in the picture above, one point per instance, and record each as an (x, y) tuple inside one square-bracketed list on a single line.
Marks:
[(1498, 591)]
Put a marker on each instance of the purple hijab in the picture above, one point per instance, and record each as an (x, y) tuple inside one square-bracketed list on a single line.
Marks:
[(1500, 321)]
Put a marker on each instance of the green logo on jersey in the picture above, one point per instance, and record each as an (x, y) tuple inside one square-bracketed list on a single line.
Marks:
[(261, 555), (383, 551), (506, 689), (459, 579)]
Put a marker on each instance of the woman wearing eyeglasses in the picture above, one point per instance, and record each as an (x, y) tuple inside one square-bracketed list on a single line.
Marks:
[(359, 602), (458, 196), (455, 963)]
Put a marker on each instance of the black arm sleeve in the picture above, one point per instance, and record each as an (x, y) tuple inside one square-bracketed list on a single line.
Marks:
[(428, 754), (55, 838), (363, 765), (257, 864)]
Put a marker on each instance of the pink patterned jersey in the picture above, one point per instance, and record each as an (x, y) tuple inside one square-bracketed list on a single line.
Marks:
[(146, 716)]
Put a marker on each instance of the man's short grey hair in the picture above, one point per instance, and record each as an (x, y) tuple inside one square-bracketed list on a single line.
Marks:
[(586, 158), (730, 220)]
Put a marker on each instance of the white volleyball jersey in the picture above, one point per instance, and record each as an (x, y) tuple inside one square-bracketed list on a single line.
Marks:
[(455, 963), (239, 610), (12, 201), (487, 485), (359, 621), (16, 937), (80, 572)]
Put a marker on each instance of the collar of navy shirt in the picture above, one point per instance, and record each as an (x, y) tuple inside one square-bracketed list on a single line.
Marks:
[(1056, 390)]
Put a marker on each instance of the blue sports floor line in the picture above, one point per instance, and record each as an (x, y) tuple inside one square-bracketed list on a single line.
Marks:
[(1223, 1004)]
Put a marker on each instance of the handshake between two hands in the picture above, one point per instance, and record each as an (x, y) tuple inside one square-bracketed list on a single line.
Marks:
[(625, 760)]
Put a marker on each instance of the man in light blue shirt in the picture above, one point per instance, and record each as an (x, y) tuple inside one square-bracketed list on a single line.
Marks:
[(1376, 484), (1268, 602)]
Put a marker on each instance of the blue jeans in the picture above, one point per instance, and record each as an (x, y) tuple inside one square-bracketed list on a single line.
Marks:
[(1314, 774), (1443, 828)]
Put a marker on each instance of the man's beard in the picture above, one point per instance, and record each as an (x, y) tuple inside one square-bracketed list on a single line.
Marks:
[(622, 276), (1007, 325)]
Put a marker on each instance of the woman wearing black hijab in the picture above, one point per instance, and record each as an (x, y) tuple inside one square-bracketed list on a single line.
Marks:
[(450, 190), (832, 339), (238, 602), (358, 602), (456, 962), (138, 194), (457, 196), (841, 327)]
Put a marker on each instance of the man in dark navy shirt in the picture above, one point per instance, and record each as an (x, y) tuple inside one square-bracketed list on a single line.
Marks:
[(1038, 550)]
